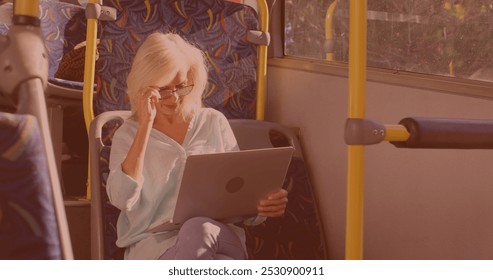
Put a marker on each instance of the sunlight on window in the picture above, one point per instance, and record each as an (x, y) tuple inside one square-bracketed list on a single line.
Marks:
[(437, 37)]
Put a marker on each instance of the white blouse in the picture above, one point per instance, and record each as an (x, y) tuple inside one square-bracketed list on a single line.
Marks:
[(147, 203)]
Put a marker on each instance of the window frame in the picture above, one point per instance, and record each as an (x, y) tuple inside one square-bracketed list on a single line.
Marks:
[(458, 86), (452, 85)]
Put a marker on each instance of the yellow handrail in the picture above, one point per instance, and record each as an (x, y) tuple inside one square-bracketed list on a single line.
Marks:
[(89, 69), (355, 176), (262, 61), (329, 29), (26, 8)]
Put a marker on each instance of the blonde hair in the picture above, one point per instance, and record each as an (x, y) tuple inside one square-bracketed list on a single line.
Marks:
[(160, 58)]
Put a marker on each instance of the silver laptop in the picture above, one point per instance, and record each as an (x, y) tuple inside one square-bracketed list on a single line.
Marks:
[(228, 186)]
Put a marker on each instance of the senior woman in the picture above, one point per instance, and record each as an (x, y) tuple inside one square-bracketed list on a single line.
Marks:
[(165, 86)]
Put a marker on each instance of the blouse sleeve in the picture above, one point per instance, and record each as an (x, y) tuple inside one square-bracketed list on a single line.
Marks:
[(227, 135), (123, 191)]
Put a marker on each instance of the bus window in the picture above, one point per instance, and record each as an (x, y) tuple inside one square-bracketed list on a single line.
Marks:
[(436, 37)]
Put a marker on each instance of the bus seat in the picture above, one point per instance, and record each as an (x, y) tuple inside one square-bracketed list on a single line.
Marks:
[(28, 223), (103, 214), (297, 235), (220, 29), (63, 26)]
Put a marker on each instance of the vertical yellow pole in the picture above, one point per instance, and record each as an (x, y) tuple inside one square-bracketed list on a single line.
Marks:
[(262, 61), (355, 176), (329, 29), (26, 8), (89, 69)]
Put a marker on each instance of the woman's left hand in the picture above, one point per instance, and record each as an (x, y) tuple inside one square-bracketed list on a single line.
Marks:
[(274, 204)]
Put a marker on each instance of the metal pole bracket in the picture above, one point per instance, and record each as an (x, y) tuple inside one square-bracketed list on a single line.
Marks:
[(363, 132), (96, 11)]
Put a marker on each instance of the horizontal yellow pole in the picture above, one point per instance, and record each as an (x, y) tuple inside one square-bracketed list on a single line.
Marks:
[(396, 133)]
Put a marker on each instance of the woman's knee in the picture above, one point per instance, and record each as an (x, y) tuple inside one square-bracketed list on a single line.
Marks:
[(199, 229), (197, 222), (207, 238), (199, 225)]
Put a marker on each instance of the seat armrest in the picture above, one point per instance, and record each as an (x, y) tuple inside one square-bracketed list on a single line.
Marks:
[(64, 89)]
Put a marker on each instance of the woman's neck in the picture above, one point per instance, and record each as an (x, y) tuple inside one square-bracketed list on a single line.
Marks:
[(169, 120), (174, 127)]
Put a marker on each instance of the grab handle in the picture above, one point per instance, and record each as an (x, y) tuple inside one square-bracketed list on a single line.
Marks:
[(441, 133)]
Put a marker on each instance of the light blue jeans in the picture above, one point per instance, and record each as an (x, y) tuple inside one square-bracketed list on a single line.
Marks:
[(205, 239)]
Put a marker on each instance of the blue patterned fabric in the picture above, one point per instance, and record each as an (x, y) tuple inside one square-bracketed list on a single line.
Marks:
[(63, 26), (5, 17), (217, 27), (298, 235), (28, 226)]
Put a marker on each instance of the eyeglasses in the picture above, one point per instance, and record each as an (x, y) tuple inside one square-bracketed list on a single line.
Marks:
[(178, 92)]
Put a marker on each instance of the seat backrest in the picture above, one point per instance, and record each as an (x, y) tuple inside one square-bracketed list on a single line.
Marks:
[(63, 26), (103, 214), (28, 223), (219, 28), (6, 12), (299, 233)]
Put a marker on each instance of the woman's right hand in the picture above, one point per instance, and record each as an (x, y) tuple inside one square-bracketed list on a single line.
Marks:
[(145, 112), (145, 105)]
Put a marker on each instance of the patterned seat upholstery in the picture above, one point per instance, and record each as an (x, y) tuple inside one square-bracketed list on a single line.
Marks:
[(217, 27), (63, 26), (298, 234), (220, 29), (28, 225)]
